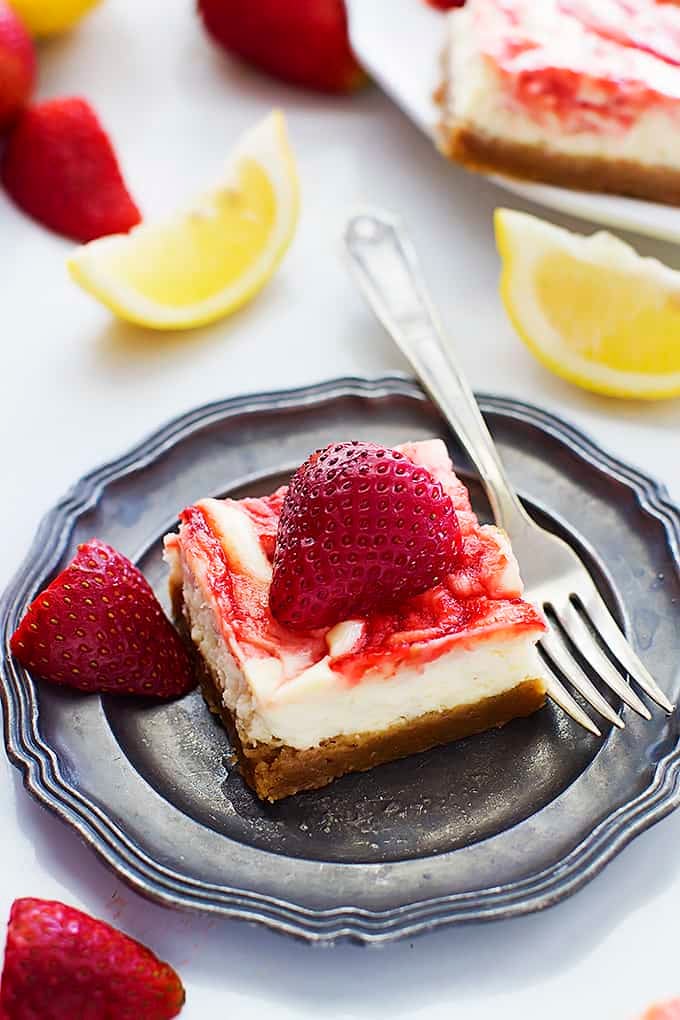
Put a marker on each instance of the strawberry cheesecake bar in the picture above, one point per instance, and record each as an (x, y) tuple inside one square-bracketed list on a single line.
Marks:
[(579, 93), (357, 616)]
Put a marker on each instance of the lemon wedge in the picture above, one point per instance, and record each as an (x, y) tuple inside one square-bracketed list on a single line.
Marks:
[(590, 308), (210, 258), (47, 17)]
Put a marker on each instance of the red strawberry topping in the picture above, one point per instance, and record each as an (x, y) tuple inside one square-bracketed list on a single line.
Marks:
[(99, 627), (362, 528), (445, 5), (59, 167), (17, 65), (305, 42), (61, 964)]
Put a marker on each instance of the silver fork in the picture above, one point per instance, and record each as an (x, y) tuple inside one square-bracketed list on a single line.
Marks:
[(384, 263)]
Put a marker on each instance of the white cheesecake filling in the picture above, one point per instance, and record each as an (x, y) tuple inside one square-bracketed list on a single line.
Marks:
[(279, 694), (478, 99), (321, 703)]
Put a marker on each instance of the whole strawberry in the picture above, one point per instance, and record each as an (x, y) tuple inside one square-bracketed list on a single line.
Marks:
[(305, 42), (17, 65), (99, 627), (362, 528), (445, 5), (61, 964), (59, 167)]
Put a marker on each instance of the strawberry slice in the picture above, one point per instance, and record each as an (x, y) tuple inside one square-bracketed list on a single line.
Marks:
[(99, 627), (59, 167), (362, 528), (61, 964)]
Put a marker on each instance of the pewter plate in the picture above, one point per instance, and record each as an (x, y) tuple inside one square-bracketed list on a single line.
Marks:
[(494, 826)]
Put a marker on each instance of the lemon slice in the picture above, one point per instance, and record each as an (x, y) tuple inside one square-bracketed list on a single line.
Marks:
[(46, 17), (212, 257), (590, 308)]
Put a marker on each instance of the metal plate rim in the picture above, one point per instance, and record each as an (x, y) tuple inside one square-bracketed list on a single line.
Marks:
[(45, 782)]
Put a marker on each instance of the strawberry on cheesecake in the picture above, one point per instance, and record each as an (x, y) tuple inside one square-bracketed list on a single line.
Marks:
[(360, 615), (580, 93)]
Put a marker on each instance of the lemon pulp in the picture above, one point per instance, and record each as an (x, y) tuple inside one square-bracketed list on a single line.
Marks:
[(590, 308), (223, 237), (610, 318)]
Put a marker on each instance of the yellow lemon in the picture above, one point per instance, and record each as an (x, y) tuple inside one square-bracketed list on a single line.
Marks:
[(47, 17), (590, 308), (213, 256)]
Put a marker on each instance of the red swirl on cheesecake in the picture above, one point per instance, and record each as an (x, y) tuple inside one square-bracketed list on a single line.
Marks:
[(228, 548), (595, 66), (583, 93), (651, 28), (467, 640)]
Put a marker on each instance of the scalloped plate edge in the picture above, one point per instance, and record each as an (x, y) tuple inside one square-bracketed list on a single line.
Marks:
[(43, 779)]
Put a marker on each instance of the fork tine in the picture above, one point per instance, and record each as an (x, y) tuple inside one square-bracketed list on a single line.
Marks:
[(563, 698), (578, 631), (562, 657), (605, 625)]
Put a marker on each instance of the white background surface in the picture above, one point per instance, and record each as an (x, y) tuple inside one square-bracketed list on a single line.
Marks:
[(77, 388)]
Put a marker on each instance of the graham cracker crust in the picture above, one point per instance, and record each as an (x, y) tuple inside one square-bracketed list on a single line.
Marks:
[(276, 770), (487, 154)]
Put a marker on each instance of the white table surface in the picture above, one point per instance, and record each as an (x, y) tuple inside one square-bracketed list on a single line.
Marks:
[(77, 388)]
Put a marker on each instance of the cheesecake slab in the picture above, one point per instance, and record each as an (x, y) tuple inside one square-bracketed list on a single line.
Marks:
[(579, 93), (304, 708)]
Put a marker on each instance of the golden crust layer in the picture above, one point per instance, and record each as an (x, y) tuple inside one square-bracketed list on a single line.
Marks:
[(275, 772), (487, 154)]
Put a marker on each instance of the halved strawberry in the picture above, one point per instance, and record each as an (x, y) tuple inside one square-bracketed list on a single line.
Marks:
[(99, 627), (60, 167), (61, 964), (362, 528)]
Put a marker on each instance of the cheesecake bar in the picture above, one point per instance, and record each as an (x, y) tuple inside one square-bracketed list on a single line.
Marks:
[(579, 93), (302, 708)]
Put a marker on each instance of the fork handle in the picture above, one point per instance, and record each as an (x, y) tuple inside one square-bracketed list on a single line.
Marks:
[(384, 262)]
